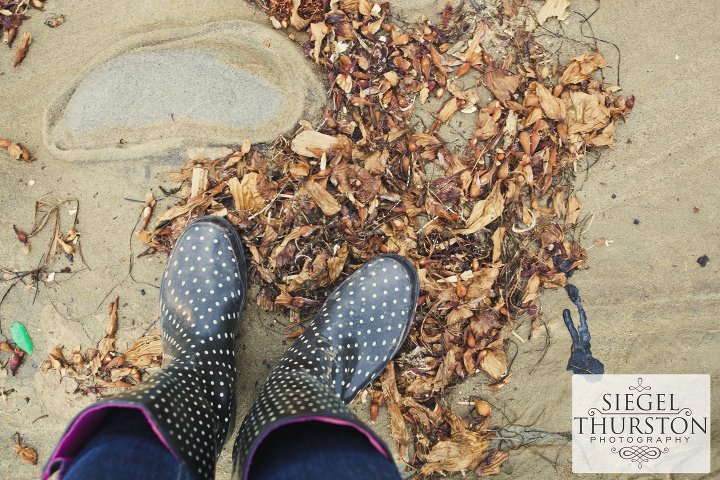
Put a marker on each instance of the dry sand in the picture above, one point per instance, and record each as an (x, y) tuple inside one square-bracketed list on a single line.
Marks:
[(651, 307)]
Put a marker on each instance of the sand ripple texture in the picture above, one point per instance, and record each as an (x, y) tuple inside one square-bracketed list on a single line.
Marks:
[(157, 95)]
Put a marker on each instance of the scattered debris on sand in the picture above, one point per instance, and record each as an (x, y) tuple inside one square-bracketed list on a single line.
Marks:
[(488, 222), (489, 218)]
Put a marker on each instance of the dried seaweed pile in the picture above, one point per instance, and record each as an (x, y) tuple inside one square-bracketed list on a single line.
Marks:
[(488, 222)]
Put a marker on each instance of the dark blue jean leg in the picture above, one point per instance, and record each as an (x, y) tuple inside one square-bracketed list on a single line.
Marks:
[(125, 447), (317, 450)]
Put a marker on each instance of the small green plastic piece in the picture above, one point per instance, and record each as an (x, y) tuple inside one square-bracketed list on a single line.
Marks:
[(21, 337)]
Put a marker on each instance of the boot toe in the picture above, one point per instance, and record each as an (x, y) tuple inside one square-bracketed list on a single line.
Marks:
[(205, 279), (367, 320)]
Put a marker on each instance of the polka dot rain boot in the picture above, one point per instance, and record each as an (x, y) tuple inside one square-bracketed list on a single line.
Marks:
[(190, 401), (357, 332)]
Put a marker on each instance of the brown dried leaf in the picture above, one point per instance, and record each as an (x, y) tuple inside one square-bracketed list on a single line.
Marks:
[(502, 84), (438, 60), (15, 151), (399, 429), (112, 324), (299, 169), (145, 236), (308, 142), (446, 372), (402, 39), (586, 113), (345, 82), (448, 110), (535, 114), (356, 180), (245, 192), (436, 209), (199, 202), (318, 31), (531, 290), (336, 264), (364, 7), (22, 49), (399, 240), (604, 138), (287, 300), (373, 27), (573, 211), (465, 450), (265, 299), (558, 208), (425, 419), (553, 8), (556, 280), (397, 422), (305, 12), (582, 67), (457, 315), (484, 212), (469, 360), (470, 96), (27, 454), (421, 386), (150, 345), (323, 198), (116, 384), (199, 181), (487, 122), (474, 54), (21, 236), (119, 373), (313, 275), (492, 465), (552, 106), (494, 362), (377, 162), (497, 240)]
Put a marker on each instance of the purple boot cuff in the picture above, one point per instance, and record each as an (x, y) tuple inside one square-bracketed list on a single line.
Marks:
[(82, 430)]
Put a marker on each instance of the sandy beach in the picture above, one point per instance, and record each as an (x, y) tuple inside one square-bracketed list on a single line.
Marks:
[(651, 307)]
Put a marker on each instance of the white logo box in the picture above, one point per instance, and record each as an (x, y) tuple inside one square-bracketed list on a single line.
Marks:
[(641, 423)]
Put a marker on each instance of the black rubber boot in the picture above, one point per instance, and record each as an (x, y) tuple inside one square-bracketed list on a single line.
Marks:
[(357, 332), (190, 401)]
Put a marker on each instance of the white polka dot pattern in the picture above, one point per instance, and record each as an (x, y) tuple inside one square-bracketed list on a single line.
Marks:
[(357, 332), (192, 397)]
